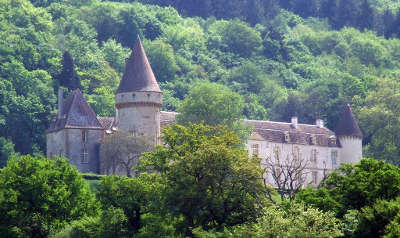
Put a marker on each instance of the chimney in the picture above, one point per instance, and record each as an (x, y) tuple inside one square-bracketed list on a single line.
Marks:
[(319, 123), (294, 122), (60, 102)]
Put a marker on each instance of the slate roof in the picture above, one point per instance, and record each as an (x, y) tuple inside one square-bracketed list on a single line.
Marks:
[(275, 131), (303, 133), (76, 114), (347, 125), (138, 75)]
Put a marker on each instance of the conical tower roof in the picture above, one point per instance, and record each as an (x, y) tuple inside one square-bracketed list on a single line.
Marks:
[(138, 75), (347, 125)]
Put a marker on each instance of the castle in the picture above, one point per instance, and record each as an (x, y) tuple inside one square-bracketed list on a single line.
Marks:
[(76, 132)]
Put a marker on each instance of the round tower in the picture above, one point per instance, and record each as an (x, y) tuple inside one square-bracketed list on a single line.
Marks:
[(138, 99), (350, 137)]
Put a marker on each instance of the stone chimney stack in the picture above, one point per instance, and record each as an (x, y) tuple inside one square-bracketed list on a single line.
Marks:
[(294, 122), (60, 102), (319, 123)]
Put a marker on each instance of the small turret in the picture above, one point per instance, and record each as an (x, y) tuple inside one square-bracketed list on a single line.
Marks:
[(138, 99), (350, 137)]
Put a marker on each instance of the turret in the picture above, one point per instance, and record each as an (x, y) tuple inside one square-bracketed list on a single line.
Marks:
[(350, 137), (138, 99)]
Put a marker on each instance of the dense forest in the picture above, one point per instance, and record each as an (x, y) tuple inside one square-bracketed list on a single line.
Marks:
[(268, 59), (283, 58)]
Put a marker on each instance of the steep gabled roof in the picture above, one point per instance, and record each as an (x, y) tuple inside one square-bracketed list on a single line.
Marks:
[(303, 133), (347, 125), (76, 114), (275, 131), (138, 75)]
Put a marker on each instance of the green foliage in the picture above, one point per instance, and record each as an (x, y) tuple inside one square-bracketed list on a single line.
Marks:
[(140, 200), (161, 55), (295, 221), (6, 151), (235, 36), (213, 104), (374, 219), (355, 186), (68, 77), (209, 180), (39, 196)]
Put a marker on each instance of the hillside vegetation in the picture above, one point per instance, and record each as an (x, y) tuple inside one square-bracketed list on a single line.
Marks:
[(282, 64)]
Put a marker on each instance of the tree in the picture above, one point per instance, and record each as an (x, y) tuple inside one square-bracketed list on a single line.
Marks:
[(121, 151), (235, 36), (365, 18), (162, 60), (68, 77), (6, 151), (214, 104), (39, 196), (140, 199), (247, 78), (289, 174), (354, 187), (296, 220), (374, 219), (378, 116), (210, 180)]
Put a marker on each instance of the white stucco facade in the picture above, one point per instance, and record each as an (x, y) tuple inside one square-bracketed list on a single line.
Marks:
[(319, 160)]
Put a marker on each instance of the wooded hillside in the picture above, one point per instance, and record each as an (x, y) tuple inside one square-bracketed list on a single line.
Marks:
[(299, 57)]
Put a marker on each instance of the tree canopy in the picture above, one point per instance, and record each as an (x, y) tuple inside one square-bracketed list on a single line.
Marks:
[(38, 197)]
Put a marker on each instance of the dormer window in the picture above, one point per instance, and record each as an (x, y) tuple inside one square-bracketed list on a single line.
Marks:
[(332, 140), (314, 139), (287, 136)]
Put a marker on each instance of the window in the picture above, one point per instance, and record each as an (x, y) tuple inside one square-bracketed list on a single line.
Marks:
[(84, 156), (85, 135), (314, 155), (334, 157), (276, 153), (254, 149), (296, 153), (314, 140), (314, 177), (287, 136), (332, 140)]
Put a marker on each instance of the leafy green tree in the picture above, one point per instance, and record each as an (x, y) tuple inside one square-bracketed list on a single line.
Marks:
[(162, 60), (355, 186), (140, 199), (296, 220), (247, 78), (115, 55), (235, 36), (6, 151), (375, 218), (39, 196), (378, 116), (209, 179), (212, 103)]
